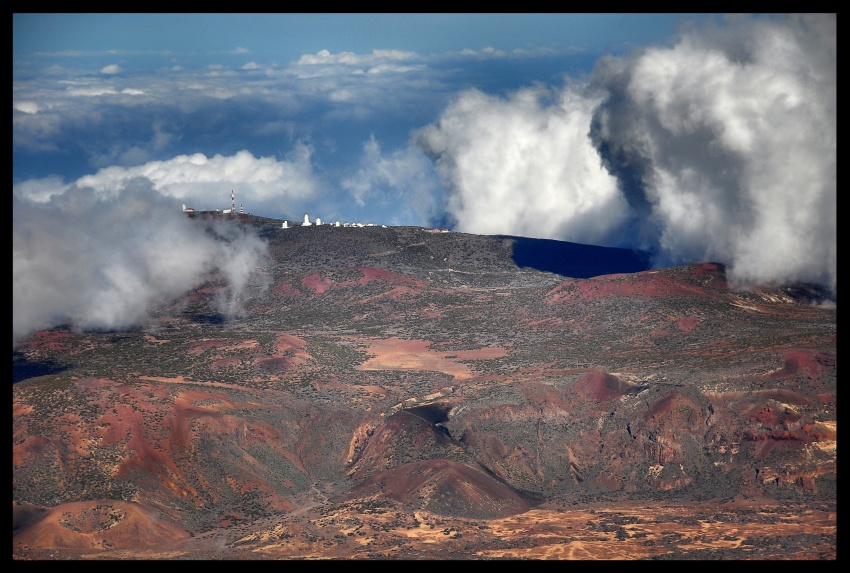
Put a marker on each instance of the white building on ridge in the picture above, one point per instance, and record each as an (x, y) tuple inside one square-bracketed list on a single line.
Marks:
[(318, 221)]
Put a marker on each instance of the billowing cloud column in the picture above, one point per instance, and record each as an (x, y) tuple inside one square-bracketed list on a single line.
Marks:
[(730, 136)]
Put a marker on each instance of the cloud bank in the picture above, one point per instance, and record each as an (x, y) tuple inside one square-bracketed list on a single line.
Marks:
[(96, 261)]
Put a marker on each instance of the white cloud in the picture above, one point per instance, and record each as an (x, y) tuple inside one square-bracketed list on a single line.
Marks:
[(491, 53), (205, 183), (111, 69), (391, 69), (735, 128), (720, 147), (29, 107), (395, 54), (91, 91), (524, 166), (141, 254), (384, 60), (40, 190), (486, 53)]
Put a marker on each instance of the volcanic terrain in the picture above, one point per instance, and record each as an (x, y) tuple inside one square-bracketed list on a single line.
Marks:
[(396, 393)]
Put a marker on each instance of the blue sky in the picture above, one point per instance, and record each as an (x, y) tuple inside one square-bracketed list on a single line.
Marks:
[(694, 137), (286, 37)]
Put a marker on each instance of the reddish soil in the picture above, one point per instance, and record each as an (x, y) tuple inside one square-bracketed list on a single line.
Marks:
[(418, 396), (399, 354)]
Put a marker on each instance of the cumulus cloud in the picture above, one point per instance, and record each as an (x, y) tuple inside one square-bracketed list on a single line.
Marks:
[(105, 261), (204, 183), (111, 69), (719, 147), (525, 165), (730, 137)]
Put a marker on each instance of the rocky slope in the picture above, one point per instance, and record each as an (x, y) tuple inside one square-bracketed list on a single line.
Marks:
[(393, 393)]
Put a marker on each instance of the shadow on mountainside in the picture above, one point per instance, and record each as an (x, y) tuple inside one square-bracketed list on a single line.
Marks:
[(576, 260), (23, 369), (207, 318)]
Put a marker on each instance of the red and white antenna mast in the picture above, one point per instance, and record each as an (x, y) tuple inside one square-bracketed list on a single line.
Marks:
[(232, 202)]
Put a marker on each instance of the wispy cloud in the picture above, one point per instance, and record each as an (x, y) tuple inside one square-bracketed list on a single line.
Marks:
[(325, 57), (403, 177)]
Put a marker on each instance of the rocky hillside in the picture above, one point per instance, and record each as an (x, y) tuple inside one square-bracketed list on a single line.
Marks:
[(390, 392)]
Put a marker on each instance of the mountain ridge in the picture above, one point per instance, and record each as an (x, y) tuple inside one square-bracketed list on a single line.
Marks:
[(386, 380)]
